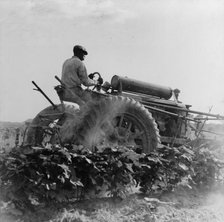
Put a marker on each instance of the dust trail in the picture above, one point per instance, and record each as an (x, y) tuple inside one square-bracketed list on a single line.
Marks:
[(105, 122), (214, 201), (101, 115)]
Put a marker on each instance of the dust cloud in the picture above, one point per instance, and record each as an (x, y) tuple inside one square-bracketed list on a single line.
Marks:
[(95, 119)]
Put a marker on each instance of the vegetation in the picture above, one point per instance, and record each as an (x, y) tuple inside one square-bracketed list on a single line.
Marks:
[(33, 178)]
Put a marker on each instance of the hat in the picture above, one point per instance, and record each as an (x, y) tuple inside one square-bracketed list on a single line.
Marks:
[(79, 48)]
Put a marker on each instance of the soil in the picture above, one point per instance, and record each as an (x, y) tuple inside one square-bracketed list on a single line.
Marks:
[(181, 205)]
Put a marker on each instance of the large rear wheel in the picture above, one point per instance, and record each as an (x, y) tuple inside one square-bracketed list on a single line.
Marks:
[(119, 120)]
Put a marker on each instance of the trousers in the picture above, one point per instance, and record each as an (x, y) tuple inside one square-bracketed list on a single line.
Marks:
[(76, 95)]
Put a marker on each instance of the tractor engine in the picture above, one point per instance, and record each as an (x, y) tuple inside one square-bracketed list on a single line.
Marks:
[(157, 99), (135, 86)]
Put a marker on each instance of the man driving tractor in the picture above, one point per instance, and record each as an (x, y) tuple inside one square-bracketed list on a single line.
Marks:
[(74, 75)]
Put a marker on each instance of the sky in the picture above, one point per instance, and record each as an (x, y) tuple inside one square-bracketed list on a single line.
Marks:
[(175, 43)]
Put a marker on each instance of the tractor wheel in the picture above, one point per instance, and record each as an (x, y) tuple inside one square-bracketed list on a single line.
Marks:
[(118, 120), (45, 127)]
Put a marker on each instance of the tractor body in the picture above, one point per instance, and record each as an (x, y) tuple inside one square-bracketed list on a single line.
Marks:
[(171, 115), (125, 112)]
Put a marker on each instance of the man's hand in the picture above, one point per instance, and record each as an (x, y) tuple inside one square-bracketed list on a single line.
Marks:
[(91, 75), (100, 81)]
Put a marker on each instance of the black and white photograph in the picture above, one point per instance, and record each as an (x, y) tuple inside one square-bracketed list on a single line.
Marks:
[(111, 110)]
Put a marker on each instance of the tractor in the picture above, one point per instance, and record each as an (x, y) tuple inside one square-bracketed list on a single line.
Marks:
[(124, 111)]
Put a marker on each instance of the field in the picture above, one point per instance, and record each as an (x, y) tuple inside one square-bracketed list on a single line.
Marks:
[(182, 203)]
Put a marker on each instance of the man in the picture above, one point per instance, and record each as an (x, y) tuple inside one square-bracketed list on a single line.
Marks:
[(74, 75)]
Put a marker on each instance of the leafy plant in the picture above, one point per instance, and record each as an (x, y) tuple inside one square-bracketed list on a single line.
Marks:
[(206, 165), (33, 176), (109, 169), (164, 169), (36, 173)]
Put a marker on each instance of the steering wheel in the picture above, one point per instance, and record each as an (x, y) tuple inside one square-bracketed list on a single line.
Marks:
[(100, 79), (92, 75)]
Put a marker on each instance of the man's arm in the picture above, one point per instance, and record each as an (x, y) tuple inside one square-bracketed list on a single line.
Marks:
[(83, 76)]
